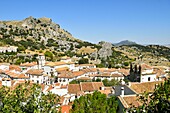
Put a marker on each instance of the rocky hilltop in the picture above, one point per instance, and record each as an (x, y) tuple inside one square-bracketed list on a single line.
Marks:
[(35, 35)]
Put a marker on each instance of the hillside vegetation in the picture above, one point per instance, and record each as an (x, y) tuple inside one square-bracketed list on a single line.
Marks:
[(40, 35)]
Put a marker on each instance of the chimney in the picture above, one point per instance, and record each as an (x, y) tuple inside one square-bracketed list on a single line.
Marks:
[(122, 91), (156, 85)]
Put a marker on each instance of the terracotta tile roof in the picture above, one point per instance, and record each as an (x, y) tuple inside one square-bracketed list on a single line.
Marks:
[(124, 71), (28, 64), (35, 72), (104, 75), (52, 64), (65, 108), (22, 76), (84, 78), (146, 86), (87, 86), (12, 74), (62, 69), (93, 75), (116, 75), (145, 66), (50, 88), (129, 101), (57, 84), (107, 92), (111, 70), (1, 71), (102, 69), (84, 86), (78, 73), (73, 88), (66, 74), (14, 67), (89, 70), (42, 86), (70, 63), (97, 85), (63, 86)]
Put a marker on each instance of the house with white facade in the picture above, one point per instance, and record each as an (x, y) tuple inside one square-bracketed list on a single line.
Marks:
[(38, 76), (142, 73), (27, 66), (108, 76), (8, 49), (4, 66)]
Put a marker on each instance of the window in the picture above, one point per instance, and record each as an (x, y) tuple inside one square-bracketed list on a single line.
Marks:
[(149, 78)]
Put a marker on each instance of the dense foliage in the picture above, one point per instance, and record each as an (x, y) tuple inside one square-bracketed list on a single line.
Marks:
[(112, 82), (27, 98), (95, 103), (83, 61), (158, 102)]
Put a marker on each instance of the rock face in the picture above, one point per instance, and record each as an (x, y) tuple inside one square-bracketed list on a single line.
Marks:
[(106, 50)]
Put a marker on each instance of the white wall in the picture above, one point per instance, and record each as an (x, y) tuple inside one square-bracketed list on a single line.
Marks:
[(144, 78), (59, 91)]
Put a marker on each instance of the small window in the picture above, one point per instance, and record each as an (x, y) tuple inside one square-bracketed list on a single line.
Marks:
[(149, 78)]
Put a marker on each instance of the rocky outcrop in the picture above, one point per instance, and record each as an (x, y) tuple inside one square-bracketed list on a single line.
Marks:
[(106, 50)]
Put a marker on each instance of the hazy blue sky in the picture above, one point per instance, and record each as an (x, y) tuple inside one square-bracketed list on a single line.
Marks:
[(143, 21)]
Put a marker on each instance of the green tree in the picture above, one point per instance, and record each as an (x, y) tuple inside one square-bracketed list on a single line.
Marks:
[(27, 98), (126, 63), (49, 55), (95, 103), (157, 102), (112, 82), (83, 61)]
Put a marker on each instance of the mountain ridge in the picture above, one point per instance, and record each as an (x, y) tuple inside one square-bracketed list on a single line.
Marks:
[(124, 42)]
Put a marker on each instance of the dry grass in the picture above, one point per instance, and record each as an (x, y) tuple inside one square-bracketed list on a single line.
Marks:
[(85, 50)]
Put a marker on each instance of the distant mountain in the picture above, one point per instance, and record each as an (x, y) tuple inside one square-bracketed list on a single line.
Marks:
[(125, 42), (167, 45)]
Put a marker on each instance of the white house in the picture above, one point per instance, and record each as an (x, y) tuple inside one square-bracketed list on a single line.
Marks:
[(27, 66), (37, 76), (41, 61), (6, 82), (108, 76), (8, 49), (148, 77), (65, 59), (4, 66)]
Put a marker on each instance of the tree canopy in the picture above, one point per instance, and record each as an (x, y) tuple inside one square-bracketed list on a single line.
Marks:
[(95, 103), (27, 98), (83, 61)]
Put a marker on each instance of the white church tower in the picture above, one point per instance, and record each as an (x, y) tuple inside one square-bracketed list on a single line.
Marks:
[(41, 61)]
